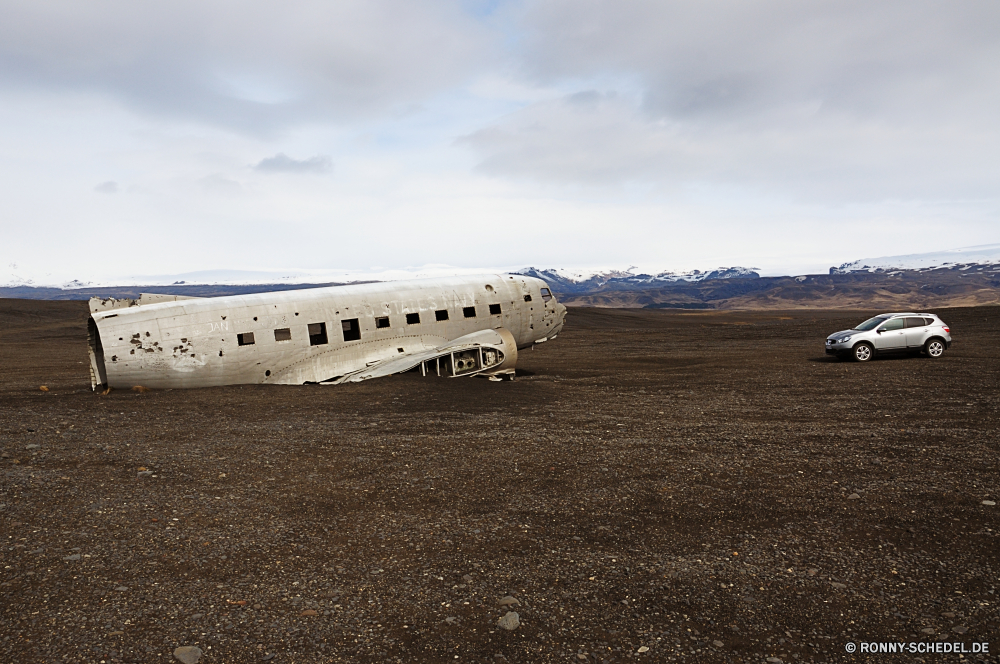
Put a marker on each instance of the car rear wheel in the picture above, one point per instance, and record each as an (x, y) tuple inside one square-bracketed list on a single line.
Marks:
[(863, 352), (934, 348)]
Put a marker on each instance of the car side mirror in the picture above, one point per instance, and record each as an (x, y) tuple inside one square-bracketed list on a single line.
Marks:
[(878, 331)]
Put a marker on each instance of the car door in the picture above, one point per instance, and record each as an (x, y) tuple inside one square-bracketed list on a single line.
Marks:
[(891, 335), (916, 331)]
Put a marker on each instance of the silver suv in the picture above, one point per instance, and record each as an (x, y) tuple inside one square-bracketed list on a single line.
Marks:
[(891, 333)]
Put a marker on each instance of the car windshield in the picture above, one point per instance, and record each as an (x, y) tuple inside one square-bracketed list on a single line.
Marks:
[(871, 323)]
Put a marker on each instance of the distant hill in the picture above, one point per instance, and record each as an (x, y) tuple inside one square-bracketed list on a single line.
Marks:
[(955, 277), (967, 257), (192, 290), (899, 289), (564, 281)]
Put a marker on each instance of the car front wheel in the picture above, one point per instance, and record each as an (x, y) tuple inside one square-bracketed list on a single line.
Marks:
[(863, 352), (934, 348)]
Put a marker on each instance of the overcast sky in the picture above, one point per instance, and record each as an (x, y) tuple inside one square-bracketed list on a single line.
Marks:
[(144, 138)]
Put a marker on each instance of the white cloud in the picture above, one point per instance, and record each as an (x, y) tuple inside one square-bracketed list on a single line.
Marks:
[(825, 101), (677, 134), (282, 163), (254, 66)]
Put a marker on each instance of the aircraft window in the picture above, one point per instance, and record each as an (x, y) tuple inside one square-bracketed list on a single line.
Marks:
[(352, 331), (283, 334), (245, 339), (412, 319), (381, 322), (441, 314), (470, 312), (494, 309), (527, 298), (317, 334), (546, 294)]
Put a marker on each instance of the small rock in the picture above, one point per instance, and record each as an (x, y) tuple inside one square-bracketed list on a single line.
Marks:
[(116, 633), (144, 473), (309, 612), (717, 643), (813, 572), (581, 655), (467, 578), (948, 614), (774, 660), (960, 629), (187, 654), (121, 589), (32, 446), (75, 556), (36, 551), (643, 648), (510, 621), (268, 657), (853, 496), (450, 620), (838, 586), (257, 606), (197, 616), (927, 630), (509, 601), (990, 503), (577, 539)]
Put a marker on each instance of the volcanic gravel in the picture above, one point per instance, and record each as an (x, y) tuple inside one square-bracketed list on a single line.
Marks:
[(654, 486)]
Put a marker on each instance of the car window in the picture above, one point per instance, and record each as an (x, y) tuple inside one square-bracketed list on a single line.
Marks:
[(870, 324), (893, 324), (928, 321), (916, 322)]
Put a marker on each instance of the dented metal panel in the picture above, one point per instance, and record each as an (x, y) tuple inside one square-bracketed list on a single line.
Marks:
[(368, 330), (108, 303)]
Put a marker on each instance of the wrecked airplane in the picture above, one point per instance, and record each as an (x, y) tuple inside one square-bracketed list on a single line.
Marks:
[(460, 326)]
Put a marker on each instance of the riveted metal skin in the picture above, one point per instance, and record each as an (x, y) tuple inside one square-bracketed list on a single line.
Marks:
[(321, 335)]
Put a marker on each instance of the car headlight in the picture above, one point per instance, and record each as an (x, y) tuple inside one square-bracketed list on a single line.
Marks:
[(843, 340)]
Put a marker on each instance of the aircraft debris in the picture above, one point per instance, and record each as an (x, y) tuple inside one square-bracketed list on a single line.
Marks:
[(461, 326)]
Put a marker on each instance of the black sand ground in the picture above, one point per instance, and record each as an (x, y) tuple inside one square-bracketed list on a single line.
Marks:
[(674, 482)]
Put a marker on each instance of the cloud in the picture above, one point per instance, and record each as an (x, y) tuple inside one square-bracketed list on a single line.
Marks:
[(220, 184), (727, 58), (109, 187), (798, 152), (282, 163), (254, 66), (830, 101)]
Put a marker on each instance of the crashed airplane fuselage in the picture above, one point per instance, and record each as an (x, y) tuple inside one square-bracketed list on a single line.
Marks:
[(460, 326)]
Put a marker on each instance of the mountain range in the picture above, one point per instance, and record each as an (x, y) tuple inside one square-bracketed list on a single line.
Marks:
[(965, 276)]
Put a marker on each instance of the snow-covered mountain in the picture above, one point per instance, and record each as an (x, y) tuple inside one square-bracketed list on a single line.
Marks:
[(984, 254), (580, 281), (239, 277), (563, 279)]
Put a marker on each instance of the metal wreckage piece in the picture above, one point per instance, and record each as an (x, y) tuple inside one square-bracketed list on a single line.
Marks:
[(459, 326)]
